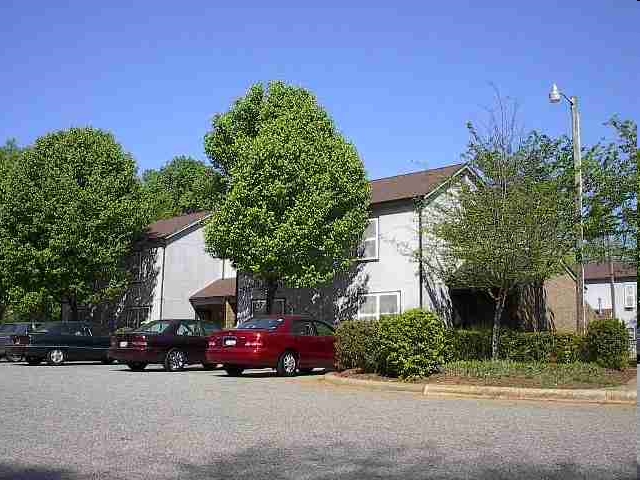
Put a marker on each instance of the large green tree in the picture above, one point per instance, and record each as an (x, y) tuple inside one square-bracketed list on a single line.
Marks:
[(509, 229), (297, 195), (69, 217), (10, 155), (183, 185)]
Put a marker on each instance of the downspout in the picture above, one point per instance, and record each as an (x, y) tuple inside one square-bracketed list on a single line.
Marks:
[(164, 249), (419, 205)]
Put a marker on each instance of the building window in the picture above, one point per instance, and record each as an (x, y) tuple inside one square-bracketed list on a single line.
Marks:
[(372, 306), (629, 296), (368, 249), (259, 307)]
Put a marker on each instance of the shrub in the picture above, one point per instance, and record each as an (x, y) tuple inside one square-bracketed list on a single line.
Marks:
[(607, 343), (410, 345), (467, 345), (355, 345), (540, 347)]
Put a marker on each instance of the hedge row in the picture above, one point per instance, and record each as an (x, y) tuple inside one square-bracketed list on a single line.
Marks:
[(416, 344)]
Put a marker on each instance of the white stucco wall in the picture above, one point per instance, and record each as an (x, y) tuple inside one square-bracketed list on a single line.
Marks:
[(601, 290), (187, 269)]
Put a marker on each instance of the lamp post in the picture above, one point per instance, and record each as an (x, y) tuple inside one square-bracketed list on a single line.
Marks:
[(554, 97)]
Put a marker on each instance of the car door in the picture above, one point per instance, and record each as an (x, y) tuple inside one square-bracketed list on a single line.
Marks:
[(326, 340), (305, 340), (73, 340), (98, 341), (191, 340)]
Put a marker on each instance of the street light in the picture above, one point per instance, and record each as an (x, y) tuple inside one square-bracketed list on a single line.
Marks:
[(554, 97)]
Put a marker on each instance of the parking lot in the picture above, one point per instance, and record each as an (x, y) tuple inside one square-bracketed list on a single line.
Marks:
[(97, 421)]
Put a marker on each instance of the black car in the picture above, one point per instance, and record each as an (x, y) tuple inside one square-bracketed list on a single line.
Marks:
[(10, 330), (58, 342)]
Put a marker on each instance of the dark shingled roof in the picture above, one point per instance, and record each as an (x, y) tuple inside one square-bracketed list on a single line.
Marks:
[(165, 228), (411, 185), (225, 287), (600, 271)]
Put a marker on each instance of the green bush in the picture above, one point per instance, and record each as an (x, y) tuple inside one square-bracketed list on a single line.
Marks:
[(549, 347), (467, 345), (410, 345), (355, 345), (607, 343)]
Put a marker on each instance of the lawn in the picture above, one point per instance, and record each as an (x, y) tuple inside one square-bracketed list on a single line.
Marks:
[(520, 374)]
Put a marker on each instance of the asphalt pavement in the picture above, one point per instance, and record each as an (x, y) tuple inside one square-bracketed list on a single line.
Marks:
[(82, 421)]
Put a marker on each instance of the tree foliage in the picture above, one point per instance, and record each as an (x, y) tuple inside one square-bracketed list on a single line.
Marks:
[(509, 229), (184, 185), (69, 216), (297, 198)]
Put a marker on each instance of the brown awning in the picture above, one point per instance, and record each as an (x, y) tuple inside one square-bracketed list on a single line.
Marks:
[(225, 287)]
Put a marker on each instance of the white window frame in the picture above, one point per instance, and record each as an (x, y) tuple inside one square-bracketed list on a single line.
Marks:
[(376, 316), (376, 237), (629, 294)]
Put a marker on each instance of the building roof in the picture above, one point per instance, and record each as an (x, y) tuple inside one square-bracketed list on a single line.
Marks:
[(225, 287), (600, 271), (411, 185), (163, 229), (400, 187)]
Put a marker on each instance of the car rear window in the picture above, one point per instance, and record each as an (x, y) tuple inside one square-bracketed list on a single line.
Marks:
[(261, 324), (159, 326)]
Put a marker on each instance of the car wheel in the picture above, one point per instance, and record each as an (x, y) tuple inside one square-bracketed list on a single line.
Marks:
[(233, 370), (287, 365), (34, 360), (10, 357), (175, 360), (136, 366), (55, 357), (209, 366)]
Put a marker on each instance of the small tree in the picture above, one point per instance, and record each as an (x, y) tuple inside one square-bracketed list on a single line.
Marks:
[(509, 229), (69, 217), (297, 198), (184, 185)]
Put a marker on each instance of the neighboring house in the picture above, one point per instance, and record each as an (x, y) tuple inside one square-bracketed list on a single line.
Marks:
[(385, 279), (171, 272), (598, 294)]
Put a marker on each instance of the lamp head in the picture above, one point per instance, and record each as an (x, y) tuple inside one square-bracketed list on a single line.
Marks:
[(554, 94)]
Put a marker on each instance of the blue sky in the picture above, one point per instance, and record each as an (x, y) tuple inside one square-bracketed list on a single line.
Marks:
[(401, 81)]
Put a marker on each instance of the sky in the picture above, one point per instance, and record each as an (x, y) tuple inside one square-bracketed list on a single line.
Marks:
[(400, 79)]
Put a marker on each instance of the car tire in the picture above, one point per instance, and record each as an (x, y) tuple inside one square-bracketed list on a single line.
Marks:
[(34, 361), (175, 360), (209, 366), (137, 366), (12, 358), (287, 364), (55, 357), (234, 370)]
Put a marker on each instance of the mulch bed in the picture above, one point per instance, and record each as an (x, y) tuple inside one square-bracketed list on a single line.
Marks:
[(619, 377)]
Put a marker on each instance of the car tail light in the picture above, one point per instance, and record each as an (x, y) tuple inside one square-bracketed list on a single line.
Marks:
[(139, 342), (211, 342)]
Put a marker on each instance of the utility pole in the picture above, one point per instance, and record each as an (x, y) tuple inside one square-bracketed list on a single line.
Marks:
[(581, 325)]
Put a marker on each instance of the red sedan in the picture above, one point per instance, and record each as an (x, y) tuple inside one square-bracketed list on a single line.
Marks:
[(287, 343)]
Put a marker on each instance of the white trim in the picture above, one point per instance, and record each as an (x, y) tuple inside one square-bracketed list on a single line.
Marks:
[(376, 237), (377, 295)]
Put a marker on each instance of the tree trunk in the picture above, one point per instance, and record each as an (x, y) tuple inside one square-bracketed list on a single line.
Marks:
[(2, 308), (73, 305), (500, 300), (272, 286)]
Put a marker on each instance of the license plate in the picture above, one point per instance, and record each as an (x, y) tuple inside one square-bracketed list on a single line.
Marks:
[(123, 344), (229, 342)]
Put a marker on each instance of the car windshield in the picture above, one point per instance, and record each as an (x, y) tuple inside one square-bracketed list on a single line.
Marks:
[(48, 327), (8, 328), (158, 326), (261, 324)]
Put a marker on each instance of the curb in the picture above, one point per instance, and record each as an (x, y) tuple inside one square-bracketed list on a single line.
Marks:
[(620, 397)]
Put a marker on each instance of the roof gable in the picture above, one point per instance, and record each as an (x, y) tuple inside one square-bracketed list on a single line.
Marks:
[(163, 229)]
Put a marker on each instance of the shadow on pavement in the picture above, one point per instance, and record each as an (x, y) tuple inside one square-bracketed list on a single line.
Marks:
[(19, 472)]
